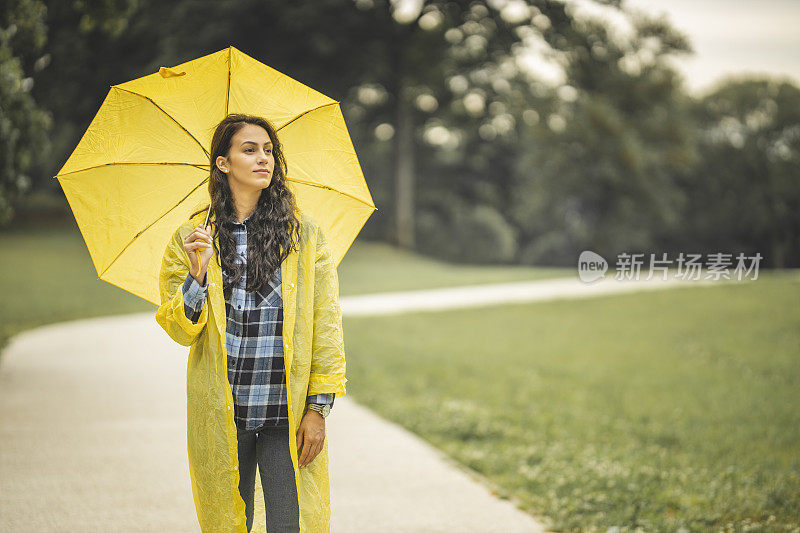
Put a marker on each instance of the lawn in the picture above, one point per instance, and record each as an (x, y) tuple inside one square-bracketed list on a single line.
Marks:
[(659, 410)]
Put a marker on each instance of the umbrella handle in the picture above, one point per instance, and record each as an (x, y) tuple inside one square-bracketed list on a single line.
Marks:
[(208, 214)]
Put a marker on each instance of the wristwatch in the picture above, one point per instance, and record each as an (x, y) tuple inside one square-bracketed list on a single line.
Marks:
[(323, 409)]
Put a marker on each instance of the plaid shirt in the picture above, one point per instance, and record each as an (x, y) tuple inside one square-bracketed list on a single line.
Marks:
[(254, 342)]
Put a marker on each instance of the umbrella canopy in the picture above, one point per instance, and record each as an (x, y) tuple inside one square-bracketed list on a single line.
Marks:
[(142, 166)]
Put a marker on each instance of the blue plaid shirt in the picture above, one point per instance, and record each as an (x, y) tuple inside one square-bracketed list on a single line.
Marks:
[(254, 342)]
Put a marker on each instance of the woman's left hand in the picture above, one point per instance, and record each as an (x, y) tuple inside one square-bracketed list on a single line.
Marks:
[(310, 437)]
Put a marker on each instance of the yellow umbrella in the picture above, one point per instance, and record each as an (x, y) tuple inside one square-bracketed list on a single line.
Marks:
[(142, 166)]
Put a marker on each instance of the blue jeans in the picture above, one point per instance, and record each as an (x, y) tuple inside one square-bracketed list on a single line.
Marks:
[(269, 448)]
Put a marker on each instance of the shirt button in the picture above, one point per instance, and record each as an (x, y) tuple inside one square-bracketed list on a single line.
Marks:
[(291, 285), (238, 307), (286, 346), (236, 467), (213, 284), (229, 408)]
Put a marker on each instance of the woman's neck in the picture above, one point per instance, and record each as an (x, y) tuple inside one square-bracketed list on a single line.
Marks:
[(245, 203)]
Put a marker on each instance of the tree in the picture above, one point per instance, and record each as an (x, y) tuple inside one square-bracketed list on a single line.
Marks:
[(602, 167), (90, 46), (23, 124), (745, 191), (418, 49)]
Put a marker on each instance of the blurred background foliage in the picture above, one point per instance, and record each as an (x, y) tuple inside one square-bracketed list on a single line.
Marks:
[(469, 156)]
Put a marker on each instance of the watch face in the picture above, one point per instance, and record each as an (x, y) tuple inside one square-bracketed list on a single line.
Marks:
[(326, 410)]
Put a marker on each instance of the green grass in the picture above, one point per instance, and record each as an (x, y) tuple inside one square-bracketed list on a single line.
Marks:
[(370, 267), (48, 276), (659, 410)]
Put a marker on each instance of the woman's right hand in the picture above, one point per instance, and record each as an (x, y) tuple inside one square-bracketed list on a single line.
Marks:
[(204, 244)]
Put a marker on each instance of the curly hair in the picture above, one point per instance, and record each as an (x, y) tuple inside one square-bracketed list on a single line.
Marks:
[(273, 228)]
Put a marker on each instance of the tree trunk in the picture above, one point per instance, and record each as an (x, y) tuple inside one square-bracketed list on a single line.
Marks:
[(404, 170)]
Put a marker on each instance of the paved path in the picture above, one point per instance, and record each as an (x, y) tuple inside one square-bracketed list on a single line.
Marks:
[(93, 433), (499, 293)]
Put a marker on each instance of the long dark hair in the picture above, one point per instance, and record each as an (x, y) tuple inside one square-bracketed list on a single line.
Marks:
[(273, 228)]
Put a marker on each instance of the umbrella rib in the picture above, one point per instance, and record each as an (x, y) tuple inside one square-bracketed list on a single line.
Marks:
[(151, 224), (320, 186), (228, 88), (307, 112), (199, 166), (168, 116)]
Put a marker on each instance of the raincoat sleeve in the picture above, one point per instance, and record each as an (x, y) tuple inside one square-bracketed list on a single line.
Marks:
[(327, 352), (171, 314)]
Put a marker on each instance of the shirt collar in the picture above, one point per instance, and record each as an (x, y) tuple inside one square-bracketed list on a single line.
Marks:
[(242, 223)]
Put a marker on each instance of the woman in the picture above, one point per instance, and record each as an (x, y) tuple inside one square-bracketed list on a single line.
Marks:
[(255, 295)]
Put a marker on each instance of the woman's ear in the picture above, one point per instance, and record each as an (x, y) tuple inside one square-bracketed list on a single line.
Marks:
[(222, 164)]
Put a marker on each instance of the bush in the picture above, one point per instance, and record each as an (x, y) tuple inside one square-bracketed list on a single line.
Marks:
[(474, 235), (551, 249)]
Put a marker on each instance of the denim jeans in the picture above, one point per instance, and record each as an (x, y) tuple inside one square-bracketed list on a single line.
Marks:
[(269, 448)]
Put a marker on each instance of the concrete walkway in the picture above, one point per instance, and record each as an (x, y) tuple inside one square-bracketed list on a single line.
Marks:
[(499, 293), (93, 433)]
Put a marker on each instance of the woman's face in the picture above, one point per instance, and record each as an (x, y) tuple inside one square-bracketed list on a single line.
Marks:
[(250, 162)]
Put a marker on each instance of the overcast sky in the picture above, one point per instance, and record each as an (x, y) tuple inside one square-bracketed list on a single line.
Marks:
[(734, 37)]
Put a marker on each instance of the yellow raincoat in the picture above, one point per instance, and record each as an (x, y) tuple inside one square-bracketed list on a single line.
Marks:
[(314, 361)]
